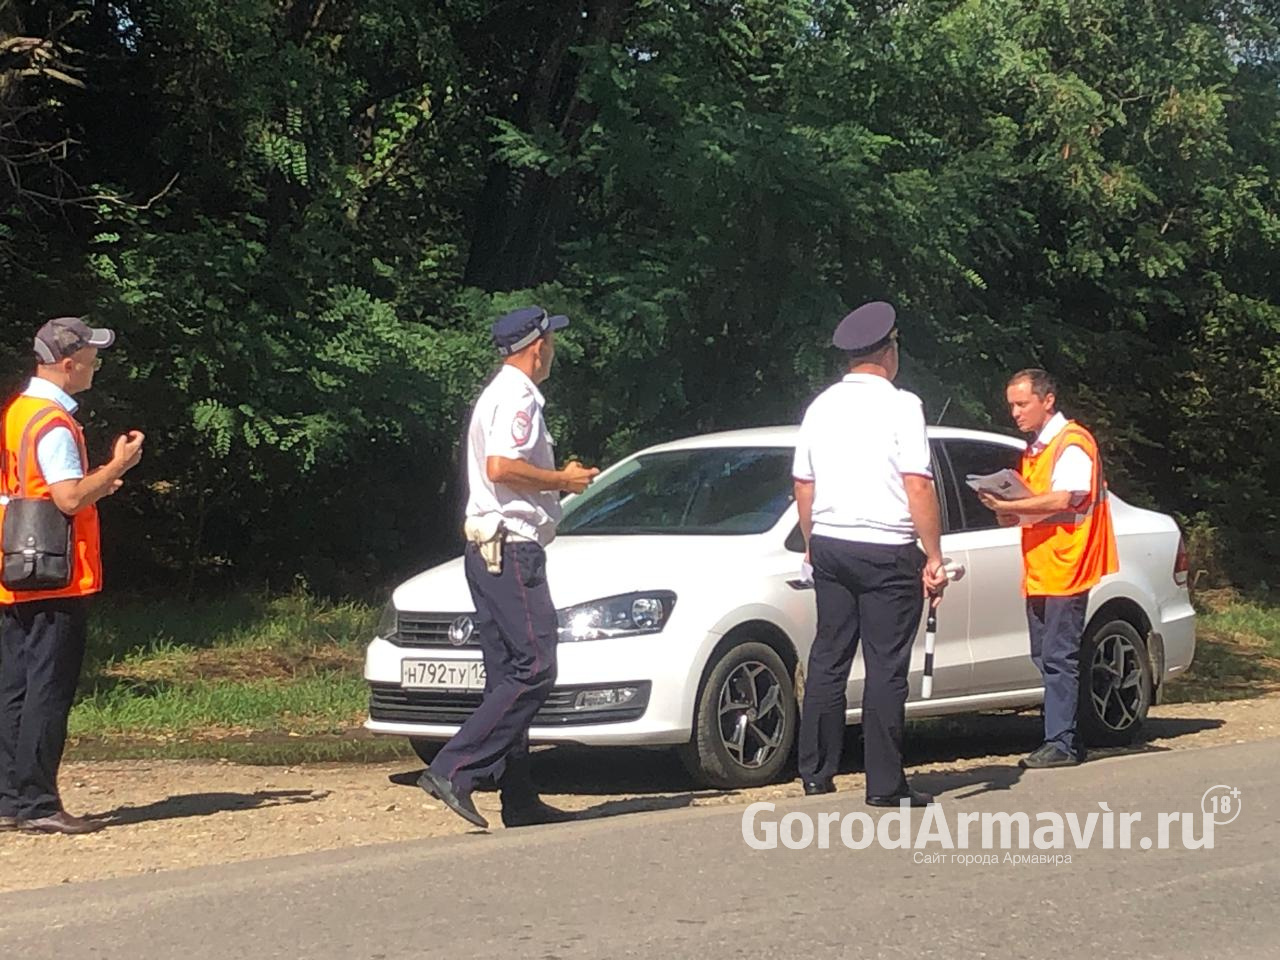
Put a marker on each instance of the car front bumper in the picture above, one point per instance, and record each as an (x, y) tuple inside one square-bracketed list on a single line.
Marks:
[(659, 669)]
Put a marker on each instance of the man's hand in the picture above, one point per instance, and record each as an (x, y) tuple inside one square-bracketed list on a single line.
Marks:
[(576, 477), (524, 476), (127, 451), (935, 579), (1001, 507), (72, 496), (922, 502), (1041, 505)]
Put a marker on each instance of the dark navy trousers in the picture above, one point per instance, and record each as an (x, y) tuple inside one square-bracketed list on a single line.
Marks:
[(1056, 625), (871, 593), (517, 629), (42, 644)]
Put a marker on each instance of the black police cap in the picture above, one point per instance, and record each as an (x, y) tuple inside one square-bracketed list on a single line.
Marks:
[(519, 328)]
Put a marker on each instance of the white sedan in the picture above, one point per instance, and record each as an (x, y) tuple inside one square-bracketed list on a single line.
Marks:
[(684, 621)]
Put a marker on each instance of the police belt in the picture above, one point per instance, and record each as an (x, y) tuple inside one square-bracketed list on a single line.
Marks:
[(489, 533)]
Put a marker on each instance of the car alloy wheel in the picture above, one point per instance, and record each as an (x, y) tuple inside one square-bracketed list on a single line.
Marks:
[(752, 721), (1115, 684), (745, 719), (1118, 691)]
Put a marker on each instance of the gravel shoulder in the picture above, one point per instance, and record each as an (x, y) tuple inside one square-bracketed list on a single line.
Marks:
[(167, 815)]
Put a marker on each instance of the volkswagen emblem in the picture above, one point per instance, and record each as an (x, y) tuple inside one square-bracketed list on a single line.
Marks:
[(460, 630)]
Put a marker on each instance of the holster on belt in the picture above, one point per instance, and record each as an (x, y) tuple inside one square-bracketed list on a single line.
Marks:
[(488, 533)]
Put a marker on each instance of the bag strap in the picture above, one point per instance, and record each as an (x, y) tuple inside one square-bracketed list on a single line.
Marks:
[(31, 435)]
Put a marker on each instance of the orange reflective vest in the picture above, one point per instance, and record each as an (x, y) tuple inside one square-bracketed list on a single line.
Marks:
[(1069, 552), (26, 421)]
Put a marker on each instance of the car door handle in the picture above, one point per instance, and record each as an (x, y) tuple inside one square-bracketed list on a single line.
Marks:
[(799, 584)]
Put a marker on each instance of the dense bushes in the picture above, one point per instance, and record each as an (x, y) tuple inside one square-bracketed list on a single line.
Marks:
[(704, 186)]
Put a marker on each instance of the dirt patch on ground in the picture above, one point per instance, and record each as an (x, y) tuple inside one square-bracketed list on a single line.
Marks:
[(1218, 599), (1229, 665), (240, 665), (165, 815)]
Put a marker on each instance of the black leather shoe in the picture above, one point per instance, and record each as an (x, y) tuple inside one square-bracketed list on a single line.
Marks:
[(1047, 755), (815, 787), (916, 798), (60, 822), (535, 812), (442, 790)]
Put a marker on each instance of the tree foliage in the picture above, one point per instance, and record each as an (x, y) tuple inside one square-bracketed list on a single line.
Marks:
[(302, 215)]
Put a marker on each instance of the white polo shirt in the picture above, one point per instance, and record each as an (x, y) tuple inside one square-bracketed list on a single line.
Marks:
[(507, 422), (1074, 470), (858, 439)]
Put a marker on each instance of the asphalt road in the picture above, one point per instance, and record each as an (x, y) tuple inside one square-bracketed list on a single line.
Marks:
[(683, 883)]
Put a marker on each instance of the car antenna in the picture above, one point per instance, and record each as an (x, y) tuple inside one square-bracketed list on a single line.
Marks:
[(944, 411)]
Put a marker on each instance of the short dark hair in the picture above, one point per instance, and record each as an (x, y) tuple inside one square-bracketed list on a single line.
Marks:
[(1042, 383)]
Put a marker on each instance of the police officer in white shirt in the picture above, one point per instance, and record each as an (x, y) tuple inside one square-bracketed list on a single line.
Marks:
[(512, 510), (864, 489)]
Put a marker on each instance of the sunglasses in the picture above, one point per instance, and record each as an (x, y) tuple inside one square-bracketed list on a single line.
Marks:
[(96, 363)]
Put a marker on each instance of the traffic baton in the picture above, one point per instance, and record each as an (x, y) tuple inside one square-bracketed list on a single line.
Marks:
[(930, 633), (953, 572)]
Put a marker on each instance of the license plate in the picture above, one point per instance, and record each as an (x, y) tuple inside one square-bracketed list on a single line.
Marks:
[(442, 674)]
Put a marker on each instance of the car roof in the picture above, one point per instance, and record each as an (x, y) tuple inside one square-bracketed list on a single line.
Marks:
[(784, 435)]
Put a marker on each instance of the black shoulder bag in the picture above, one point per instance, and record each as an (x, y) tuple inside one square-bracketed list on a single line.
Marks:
[(35, 536)]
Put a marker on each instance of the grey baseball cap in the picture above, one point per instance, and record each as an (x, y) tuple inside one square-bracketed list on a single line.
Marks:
[(62, 336)]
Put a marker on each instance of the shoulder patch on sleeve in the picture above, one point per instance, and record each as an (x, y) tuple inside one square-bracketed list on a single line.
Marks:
[(521, 427)]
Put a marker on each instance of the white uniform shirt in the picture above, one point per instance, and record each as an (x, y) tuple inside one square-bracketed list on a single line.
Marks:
[(1074, 470), (859, 438), (507, 422), (57, 452)]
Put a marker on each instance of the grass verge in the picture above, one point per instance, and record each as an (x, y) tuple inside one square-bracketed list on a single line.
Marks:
[(252, 679), (1237, 649), (259, 680)]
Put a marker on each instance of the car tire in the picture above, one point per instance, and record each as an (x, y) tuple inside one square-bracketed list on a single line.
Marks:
[(425, 749), (1115, 684), (745, 721)]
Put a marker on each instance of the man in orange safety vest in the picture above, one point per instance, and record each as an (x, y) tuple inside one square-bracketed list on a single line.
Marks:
[(1068, 545), (44, 589)]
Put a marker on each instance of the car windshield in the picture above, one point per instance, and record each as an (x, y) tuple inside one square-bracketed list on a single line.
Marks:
[(713, 490)]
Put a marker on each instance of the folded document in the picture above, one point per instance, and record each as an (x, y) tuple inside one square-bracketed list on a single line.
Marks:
[(1003, 485)]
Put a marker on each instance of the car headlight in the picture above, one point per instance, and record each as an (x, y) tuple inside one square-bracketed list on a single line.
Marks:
[(388, 622), (628, 615)]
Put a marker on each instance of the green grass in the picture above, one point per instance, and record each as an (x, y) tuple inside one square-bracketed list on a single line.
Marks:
[(261, 680), (294, 623), (1237, 649), (323, 703), (205, 679)]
